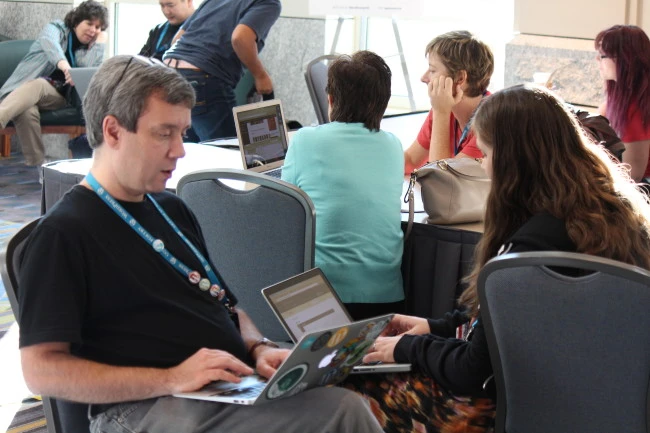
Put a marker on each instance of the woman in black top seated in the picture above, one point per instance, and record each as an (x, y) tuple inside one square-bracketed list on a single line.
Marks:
[(552, 189)]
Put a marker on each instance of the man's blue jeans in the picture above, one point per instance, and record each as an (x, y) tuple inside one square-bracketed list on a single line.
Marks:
[(212, 115)]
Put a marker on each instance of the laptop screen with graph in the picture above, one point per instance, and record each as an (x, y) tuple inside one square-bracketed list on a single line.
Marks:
[(306, 303)]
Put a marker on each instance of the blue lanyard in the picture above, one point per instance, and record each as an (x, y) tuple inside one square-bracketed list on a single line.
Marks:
[(161, 37), (73, 62), (463, 137), (211, 283)]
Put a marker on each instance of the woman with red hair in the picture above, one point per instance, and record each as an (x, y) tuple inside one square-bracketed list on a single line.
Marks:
[(624, 63)]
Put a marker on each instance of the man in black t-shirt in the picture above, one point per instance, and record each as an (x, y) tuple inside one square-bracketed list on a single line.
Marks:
[(161, 36), (108, 316)]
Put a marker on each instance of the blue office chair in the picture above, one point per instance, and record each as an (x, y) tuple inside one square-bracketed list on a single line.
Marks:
[(255, 237), (61, 416), (570, 353), (316, 78)]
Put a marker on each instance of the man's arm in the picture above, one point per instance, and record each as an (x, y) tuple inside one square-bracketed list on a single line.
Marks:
[(148, 48), (244, 42), (267, 359), (50, 369)]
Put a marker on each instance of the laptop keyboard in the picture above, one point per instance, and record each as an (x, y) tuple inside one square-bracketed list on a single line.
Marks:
[(277, 173)]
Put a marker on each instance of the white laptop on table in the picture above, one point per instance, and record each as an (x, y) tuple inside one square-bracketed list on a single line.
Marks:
[(321, 358), (262, 136), (307, 302)]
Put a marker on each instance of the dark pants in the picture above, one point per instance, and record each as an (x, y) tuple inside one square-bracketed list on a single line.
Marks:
[(359, 311), (212, 115)]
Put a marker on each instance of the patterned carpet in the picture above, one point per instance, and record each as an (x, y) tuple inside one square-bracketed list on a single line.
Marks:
[(29, 419), (20, 202)]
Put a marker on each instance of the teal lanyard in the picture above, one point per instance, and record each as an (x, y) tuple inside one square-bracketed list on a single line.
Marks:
[(463, 137), (161, 37), (73, 61), (210, 284)]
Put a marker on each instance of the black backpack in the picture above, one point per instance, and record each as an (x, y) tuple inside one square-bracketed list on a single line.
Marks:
[(598, 128)]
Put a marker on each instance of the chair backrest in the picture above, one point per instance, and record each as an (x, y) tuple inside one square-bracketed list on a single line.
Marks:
[(434, 262), (316, 78), (255, 237), (12, 52), (56, 183), (11, 264), (570, 353), (61, 416)]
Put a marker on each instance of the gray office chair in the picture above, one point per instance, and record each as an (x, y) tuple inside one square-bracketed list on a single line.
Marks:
[(255, 237), (316, 78), (61, 416), (56, 183), (570, 353)]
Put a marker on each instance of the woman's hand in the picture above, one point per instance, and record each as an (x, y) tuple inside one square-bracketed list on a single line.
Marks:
[(402, 324), (444, 94), (100, 38), (64, 66), (382, 350)]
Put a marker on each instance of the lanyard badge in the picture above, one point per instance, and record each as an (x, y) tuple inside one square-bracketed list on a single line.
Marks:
[(210, 283)]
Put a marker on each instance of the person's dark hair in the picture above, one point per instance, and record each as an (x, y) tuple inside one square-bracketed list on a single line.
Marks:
[(629, 47), (461, 51), (360, 89), (543, 163), (121, 88), (88, 10)]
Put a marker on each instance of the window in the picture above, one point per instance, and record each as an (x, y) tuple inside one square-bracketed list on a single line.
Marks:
[(486, 19)]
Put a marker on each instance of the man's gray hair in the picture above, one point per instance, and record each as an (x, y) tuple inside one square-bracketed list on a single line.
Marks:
[(121, 88)]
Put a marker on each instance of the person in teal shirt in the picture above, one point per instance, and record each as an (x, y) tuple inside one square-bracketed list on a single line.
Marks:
[(353, 173)]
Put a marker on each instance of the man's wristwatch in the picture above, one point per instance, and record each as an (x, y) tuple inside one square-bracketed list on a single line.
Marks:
[(262, 341)]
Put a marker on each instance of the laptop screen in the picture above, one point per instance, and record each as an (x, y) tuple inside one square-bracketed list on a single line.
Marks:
[(306, 303), (81, 78), (262, 133)]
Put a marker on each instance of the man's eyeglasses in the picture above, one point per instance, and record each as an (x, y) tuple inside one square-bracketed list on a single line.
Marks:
[(147, 61)]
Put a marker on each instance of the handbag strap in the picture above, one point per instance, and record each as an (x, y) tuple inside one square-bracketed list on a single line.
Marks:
[(443, 165), (408, 198)]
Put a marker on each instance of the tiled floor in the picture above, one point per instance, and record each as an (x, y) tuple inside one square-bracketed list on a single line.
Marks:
[(20, 198)]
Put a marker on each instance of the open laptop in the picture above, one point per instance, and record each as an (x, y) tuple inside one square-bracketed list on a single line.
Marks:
[(81, 78), (308, 302), (262, 135), (321, 358)]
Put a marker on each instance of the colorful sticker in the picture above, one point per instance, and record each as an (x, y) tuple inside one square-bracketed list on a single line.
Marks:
[(321, 341), (335, 376), (344, 352), (356, 354), (338, 337), (287, 382), (376, 330), (308, 341), (328, 378), (366, 329), (298, 388)]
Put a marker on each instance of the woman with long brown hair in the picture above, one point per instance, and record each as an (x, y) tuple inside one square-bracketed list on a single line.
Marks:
[(552, 189)]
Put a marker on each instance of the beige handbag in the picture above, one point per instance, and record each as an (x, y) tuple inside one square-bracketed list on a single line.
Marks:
[(454, 191)]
